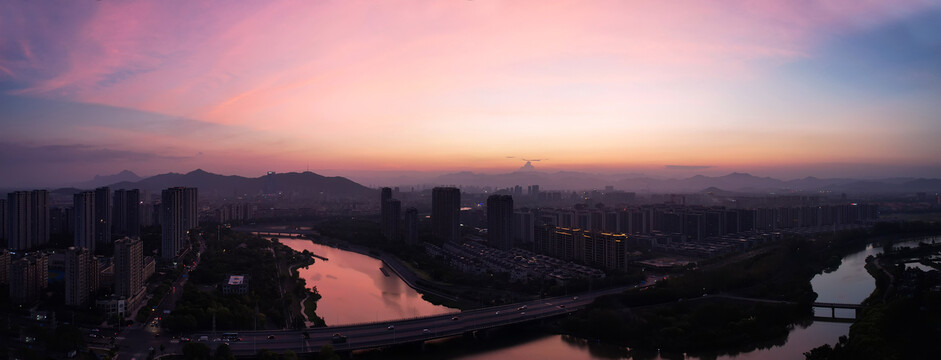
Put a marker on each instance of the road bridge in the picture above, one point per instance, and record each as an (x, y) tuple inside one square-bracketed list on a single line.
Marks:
[(834, 306), (831, 306), (405, 331)]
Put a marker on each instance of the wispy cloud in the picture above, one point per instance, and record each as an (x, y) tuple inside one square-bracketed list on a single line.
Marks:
[(18, 155), (687, 167), (378, 84)]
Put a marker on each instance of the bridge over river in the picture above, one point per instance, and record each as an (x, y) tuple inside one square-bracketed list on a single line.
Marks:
[(263, 231), (414, 330)]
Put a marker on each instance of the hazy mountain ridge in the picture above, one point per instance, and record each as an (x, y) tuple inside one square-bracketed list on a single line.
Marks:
[(734, 182), (104, 180), (209, 184)]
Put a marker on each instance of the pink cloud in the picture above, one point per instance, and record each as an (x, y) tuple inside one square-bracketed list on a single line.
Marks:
[(332, 74)]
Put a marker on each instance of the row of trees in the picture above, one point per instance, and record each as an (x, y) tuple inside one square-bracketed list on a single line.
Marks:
[(665, 321), (199, 351), (905, 325)]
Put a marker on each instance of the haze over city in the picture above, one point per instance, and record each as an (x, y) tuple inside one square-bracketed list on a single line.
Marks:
[(668, 89), (470, 179)]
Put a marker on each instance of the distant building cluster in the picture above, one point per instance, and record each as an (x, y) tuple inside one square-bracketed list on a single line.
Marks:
[(97, 220), (609, 238), (521, 265), (237, 212)]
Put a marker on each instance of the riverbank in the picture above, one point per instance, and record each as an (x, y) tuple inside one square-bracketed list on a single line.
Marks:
[(900, 319), (271, 298), (357, 288), (431, 290), (669, 322)]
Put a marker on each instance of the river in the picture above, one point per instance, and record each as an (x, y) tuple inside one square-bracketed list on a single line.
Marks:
[(352, 285), (358, 289)]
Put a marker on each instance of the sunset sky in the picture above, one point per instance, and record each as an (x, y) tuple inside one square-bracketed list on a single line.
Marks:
[(775, 88)]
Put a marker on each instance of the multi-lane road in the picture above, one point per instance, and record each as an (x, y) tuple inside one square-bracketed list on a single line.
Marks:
[(364, 336)]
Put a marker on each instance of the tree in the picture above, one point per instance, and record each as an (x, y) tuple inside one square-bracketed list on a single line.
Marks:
[(327, 353), (289, 355), (224, 352), (196, 351), (266, 354)]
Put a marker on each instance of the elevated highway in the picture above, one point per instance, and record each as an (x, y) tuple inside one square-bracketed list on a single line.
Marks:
[(415, 330)]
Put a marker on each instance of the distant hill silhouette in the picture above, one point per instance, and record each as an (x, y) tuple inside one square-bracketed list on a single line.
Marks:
[(306, 184), (312, 185), (103, 180), (734, 182)]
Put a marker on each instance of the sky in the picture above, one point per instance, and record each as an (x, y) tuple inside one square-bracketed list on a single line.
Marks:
[(775, 88)]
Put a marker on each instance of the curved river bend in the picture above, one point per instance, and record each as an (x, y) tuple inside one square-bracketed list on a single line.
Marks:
[(356, 290)]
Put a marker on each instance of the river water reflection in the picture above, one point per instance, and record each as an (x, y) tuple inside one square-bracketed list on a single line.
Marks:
[(352, 285), (355, 289)]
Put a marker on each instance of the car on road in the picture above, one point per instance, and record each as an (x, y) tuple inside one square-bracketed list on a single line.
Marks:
[(455, 318), (338, 339), (391, 327), (575, 298), (270, 337), (497, 313), (562, 306), (425, 331)]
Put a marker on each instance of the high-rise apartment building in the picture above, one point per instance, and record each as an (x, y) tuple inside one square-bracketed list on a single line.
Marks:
[(4, 266), (523, 225), (126, 213), (178, 215), (78, 266), (445, 213), (171, 222), (388, 217), (84, 213), (25, 221), (500, 232), (411, 226), (190, 208), (19, 216), (128, 267), (103, 215), (3, 223), (39, 218), (28, 276)]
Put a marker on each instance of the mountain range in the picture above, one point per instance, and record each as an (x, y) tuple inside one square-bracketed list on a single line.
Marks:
[(309, 184), (735, 182), (305, 184)]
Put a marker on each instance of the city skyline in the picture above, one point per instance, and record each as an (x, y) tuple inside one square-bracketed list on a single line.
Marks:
[(841, 89)]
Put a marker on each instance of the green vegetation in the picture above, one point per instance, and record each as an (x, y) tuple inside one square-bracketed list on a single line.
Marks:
[(223, 352), (658, 317), (900, 320), (272, 293), (686, 326), (310, 309)]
